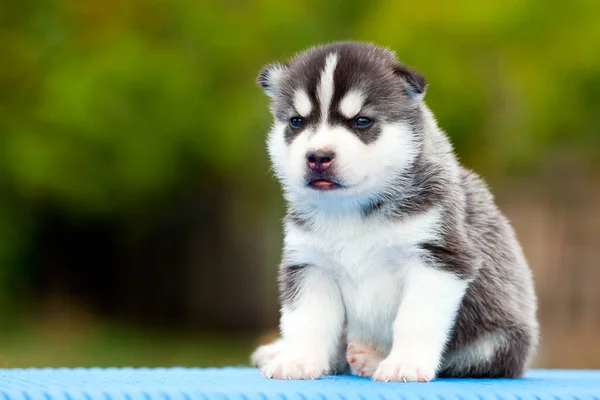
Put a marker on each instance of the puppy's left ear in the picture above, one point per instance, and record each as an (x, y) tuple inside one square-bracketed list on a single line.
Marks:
[(415, 83), (269, 77)]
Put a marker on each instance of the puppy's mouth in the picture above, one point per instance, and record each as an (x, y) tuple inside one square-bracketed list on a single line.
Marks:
[(324, 184), (323, 181)]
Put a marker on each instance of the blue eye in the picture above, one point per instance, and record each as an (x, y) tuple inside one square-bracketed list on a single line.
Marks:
[(361, 122), (297, 122)]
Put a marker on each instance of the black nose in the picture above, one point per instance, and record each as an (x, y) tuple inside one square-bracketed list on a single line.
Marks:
[(319, 160)]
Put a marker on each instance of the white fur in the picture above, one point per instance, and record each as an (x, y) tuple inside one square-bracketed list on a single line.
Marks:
[(363, 266), (266, 353), (311, 330), (352, 103), (364, 169), (430, 301), (368, 261), (326, 87), (302, 103)]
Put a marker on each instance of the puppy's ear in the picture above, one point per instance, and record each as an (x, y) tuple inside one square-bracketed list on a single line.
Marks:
[(415, 83), (269, 77)]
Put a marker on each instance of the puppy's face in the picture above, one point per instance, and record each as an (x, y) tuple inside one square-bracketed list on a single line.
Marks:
[(347, 120)]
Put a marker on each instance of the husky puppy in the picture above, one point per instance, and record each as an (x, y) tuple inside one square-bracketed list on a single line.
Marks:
[(396, 261)]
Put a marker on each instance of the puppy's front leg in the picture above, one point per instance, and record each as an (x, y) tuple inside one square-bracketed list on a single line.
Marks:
[(311, 324), (430, 300)]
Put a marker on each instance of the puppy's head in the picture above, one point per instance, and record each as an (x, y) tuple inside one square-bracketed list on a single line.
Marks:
[(347, 119)]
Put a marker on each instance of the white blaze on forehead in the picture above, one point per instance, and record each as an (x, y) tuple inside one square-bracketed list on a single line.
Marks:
[(352, 103), (325, 89), (302, 103)]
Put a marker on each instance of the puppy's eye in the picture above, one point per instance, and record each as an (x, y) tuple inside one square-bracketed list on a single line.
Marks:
[(296, 122), (361, 122)]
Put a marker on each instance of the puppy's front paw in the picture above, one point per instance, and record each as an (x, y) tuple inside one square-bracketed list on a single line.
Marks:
[(266, 353), (362, 358), (294, 366), (396, 368)]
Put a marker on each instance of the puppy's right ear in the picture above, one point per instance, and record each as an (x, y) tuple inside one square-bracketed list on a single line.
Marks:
[(269, 77)]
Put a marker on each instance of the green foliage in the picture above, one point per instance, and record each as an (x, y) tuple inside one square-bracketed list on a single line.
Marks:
[(105, 104), (510, 81), (66, 343)]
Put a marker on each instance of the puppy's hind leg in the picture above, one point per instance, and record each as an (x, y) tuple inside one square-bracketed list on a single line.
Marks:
[(502, 354)]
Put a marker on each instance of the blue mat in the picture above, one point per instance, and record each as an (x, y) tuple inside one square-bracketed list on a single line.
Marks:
[(245, 383)]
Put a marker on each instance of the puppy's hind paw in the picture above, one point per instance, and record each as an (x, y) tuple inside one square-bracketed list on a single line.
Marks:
[(362, 358)]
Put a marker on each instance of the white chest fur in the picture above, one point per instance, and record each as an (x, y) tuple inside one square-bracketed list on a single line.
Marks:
[(367, 259)]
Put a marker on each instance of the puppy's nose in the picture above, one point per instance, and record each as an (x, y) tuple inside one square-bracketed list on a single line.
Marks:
[(319, 160)]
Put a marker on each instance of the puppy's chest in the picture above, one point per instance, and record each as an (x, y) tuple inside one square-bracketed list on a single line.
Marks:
[(368, 272), (367, 264), (368, 261), (356, 246), (368, 269), (355, 250)]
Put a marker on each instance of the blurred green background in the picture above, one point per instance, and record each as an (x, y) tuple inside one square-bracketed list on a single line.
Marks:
[(139, 224)]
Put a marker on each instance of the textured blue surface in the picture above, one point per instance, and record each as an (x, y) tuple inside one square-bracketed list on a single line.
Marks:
[(245, 383)]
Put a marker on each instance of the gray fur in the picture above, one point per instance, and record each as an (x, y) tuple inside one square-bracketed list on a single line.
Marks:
[(390, 86), (289, 280), (478, 244)]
